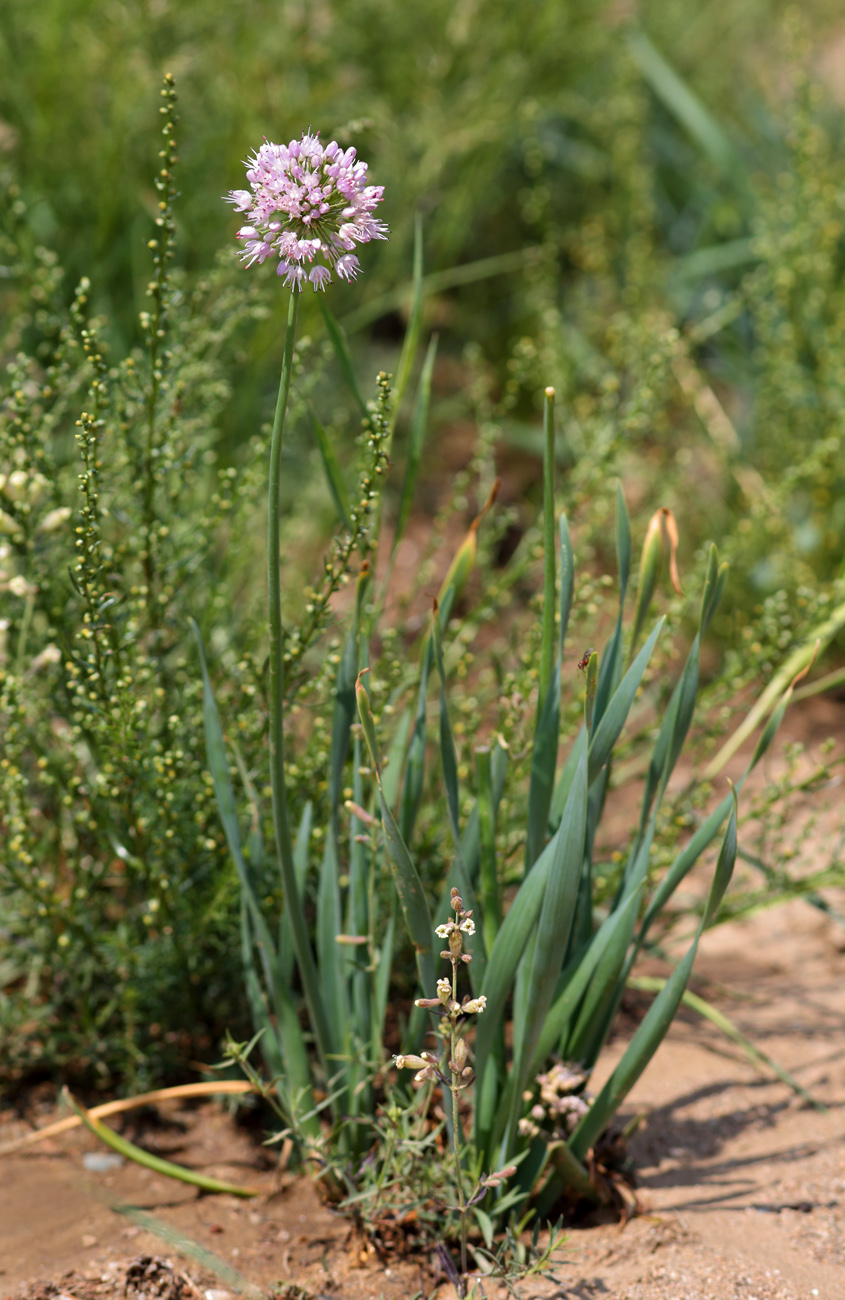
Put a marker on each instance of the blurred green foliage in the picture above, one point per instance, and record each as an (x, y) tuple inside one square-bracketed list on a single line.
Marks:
[(660, 195)]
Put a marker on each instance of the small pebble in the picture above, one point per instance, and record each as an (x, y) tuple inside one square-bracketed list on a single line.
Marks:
[(102, 1162), (218, 1295)]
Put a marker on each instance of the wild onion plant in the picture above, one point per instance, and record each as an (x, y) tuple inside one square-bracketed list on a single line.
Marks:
[(552, 964)]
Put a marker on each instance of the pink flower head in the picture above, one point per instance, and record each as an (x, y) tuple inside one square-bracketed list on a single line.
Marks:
[(308, 206)]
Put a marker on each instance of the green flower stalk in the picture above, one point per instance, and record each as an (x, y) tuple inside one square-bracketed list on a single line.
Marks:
[(308, 204)]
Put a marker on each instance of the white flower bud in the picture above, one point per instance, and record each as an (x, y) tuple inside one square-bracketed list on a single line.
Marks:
[(475, 1005), (16, 484), (444, 990), (55, 519), (409, 1062)]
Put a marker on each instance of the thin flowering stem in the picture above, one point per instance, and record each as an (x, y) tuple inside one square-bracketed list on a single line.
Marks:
[(456, 1122), (284, 846)]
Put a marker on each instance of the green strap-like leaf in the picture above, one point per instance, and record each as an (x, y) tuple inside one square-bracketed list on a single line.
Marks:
[(490, 895), (341, 351), (607, 731), (551, 936), (659, 1017), (449, 760), (331, 468), (140, 1157), (543, 764), (758, 1058), (416, 442), (685, 106), (412, 332), (409, 888)]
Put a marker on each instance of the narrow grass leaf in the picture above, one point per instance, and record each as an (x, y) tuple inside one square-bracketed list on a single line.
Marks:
[(140, 1157), (341, 350), (412, 332), (484, 268), (416, 442), (685, 106), (758, 1058), (332, 471), (794, 666), (623, 543)]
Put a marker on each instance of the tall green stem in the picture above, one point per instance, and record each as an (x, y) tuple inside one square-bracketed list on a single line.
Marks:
[(456, 1131), (284, 846), (547, 652)]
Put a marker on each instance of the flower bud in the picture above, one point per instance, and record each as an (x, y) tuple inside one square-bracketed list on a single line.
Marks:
[(427, 1002), (455, 943), (444, 990), (410, 1062), (475, 1005), (459, 1056), (8, 524), (55, 519), (493, 1180), (16, 484)]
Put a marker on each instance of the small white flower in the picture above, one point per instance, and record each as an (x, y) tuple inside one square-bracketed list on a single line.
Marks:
[(444, 990), (443, 931), (468, 926), (475, 1006), (527, 1128), (19, 586)]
